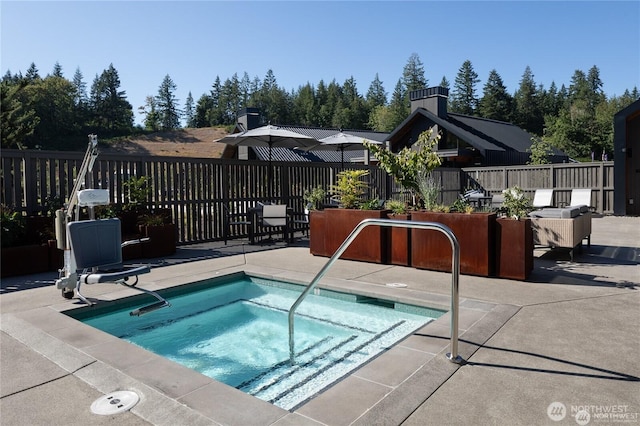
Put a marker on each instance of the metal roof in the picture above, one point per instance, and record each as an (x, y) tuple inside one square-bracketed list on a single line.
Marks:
[(286, 154)]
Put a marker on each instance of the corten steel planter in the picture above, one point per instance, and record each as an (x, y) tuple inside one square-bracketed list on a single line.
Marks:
[(475, 233), (399, 242), (514, 248), (162, 240), (369, 246), (24, 260), (316, 233)]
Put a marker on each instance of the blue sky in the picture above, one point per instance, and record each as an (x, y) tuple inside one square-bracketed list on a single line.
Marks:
[(302, 41)]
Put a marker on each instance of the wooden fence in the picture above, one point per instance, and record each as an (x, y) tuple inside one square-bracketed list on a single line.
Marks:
[(562, 177), (195, 190)]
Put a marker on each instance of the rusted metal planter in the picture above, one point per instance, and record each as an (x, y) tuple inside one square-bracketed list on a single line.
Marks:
[(162, 240), (24, 260), (399, 248), (514, 248), (316, 233), (475, 232), (333, 226)]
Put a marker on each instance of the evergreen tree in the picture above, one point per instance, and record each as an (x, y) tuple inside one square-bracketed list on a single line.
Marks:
[(81, 88), (112, 113), (413, 75), (328, 107), (17, 121), (496, 103), (245, 90), (463, 98), (189, 112), (57, 70), (376, 95), (444, 82), (398, 109), (151, 115), (204, 108), (216, 113), (167, 105), (305, 106), (32, 73), (527, 113)]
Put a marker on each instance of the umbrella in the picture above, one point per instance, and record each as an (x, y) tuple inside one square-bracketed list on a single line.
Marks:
[(342, 142), (270, 136)]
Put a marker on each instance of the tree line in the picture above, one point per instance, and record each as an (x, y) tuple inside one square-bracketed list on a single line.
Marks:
[(53, 112)]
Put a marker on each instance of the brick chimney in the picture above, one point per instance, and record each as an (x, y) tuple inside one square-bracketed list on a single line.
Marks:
[(433, 99)]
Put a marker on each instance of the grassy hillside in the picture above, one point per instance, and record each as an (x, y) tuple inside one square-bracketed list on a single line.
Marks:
[(195, 143)]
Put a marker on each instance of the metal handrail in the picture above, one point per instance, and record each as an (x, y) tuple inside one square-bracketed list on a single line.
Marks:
[(453, 356)]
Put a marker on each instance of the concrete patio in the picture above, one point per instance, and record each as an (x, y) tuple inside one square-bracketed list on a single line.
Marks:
[(560, 348)]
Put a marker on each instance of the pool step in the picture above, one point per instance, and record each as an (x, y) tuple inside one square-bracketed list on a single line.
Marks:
[(312, 369)]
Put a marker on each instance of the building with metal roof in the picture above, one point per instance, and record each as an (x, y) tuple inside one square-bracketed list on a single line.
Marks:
[(248, 118), (465, 140)]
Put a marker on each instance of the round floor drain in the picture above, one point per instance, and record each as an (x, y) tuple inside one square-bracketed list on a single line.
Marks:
[(114, 403)]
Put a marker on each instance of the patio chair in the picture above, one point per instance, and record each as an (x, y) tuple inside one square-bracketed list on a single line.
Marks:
[(543, 198), (303, 218), (497, 201), (581, 198), (275, 216), (236, 219)]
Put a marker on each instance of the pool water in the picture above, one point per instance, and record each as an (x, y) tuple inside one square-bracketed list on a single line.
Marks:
[(236, 331)]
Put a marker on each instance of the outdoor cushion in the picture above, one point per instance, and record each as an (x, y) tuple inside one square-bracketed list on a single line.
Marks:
[(566, 213)]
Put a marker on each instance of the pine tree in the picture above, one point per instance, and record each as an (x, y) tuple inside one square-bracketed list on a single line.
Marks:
[(496, 103), (57, 70), (376, 95), (527, 112), (112, 113), (413, 74), (17, 121), (444, 82), (167, 105), (32, 73), (189, 111), (463, 99)]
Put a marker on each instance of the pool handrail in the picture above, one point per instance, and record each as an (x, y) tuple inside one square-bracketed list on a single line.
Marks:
[(453, 355)]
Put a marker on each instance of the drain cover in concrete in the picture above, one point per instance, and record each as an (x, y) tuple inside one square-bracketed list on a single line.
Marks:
[(114, 403)]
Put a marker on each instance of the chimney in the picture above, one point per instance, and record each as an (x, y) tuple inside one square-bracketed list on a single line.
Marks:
[(433, 99), (249, 118)]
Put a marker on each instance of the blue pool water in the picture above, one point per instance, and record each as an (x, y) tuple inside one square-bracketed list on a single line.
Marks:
[(236, 331)]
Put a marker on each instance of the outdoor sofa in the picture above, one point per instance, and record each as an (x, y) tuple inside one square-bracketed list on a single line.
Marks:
[(561, 227)]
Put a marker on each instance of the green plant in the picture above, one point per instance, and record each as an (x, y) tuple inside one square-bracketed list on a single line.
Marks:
[(540, 151), (406, 165), (429, 187), (151, 220), (441, 208), (138, 192), (461, 205), (515, 204), (349, 188), (396, 206), (372, 204), (13, 226), (314, 197)]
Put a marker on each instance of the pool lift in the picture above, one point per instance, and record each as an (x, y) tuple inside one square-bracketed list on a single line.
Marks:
[(94, 246)]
